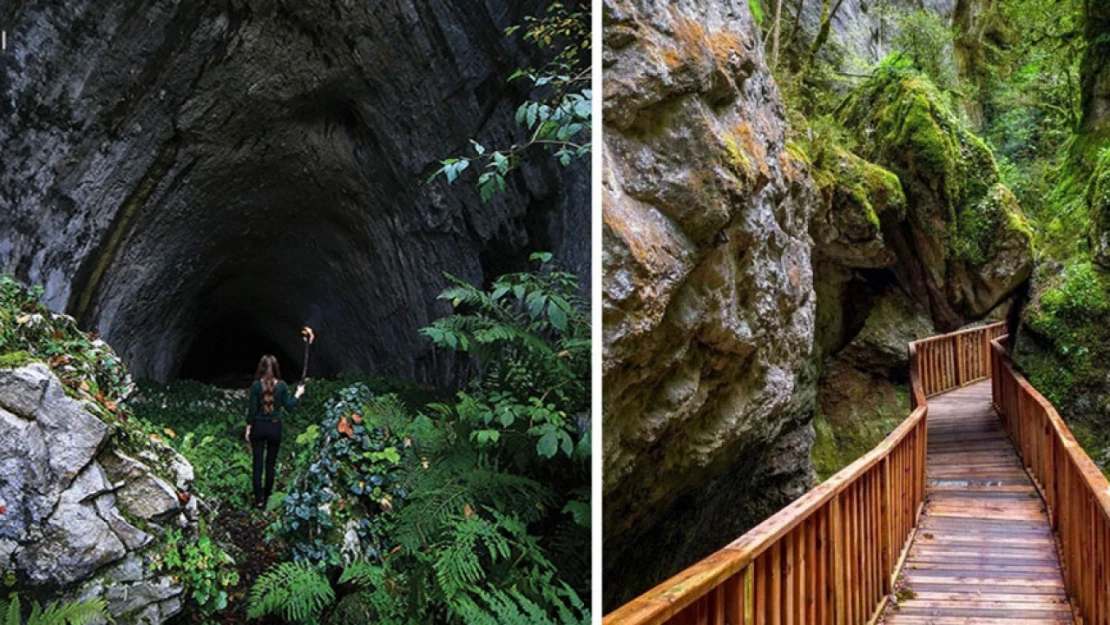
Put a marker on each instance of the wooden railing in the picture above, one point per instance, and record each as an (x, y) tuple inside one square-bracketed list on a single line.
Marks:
[(953, 360), (829, 558), (1076, 493)]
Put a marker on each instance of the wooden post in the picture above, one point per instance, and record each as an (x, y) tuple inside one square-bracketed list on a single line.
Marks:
[(961, 373), (836, 548), (885, 531), (749, 594)]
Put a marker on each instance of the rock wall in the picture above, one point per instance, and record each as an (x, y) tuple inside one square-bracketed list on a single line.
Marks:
[(181, 175), (78, 512), (862, 30), (708, 289)]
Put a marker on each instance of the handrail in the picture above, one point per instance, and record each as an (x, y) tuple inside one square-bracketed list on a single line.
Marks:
[(956, 359), (830, 556), (1076, 493)]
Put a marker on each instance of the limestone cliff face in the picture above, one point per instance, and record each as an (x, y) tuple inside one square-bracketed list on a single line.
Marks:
[(175, 167), (708, 289), (861, 30)]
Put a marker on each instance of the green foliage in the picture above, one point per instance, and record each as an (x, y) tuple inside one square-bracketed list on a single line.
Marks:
[(339, 509), (558, 113), (511, 607), (84, 363), (757, 11), (1064, 350), (297, 592), (477, 508), (56, 613), (924, 38), (205, 424), (202, 566), (14, 360)]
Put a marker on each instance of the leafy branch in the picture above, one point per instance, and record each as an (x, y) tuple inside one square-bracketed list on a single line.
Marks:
[(557, 117)]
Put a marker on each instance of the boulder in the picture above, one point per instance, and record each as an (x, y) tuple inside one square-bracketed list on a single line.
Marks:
[(708, 289), (964, 245), (79, 516)]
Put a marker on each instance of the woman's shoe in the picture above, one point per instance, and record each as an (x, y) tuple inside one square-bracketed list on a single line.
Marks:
[(261, 505)]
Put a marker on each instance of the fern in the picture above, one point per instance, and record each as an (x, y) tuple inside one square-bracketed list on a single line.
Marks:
[(56, 613), (511, 607), (298, 593)]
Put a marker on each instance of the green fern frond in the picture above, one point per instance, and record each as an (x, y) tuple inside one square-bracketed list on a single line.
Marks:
[(296, 592), (56, 613)]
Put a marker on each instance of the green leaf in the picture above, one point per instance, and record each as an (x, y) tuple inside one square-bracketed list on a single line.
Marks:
[(579, 511), (548, 444), (557, 316)]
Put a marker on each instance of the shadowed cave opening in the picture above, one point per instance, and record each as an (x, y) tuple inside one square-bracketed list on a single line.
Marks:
[(226, 354)]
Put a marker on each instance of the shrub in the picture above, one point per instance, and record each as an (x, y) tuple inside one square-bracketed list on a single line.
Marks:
[(202, 567)]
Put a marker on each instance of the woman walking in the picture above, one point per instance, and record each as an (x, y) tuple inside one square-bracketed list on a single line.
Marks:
[(269, 398)]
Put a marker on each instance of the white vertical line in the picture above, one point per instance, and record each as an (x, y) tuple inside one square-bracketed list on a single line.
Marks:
[(596, 426), (3, 40)]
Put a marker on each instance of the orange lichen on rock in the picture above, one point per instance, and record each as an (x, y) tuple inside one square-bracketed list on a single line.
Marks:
[(755, 150)]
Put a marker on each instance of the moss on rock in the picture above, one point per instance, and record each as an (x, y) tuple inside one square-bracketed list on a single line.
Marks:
[(1098, 207), (14, 360), (857, 196), (908, 125), (856, 412), (1069, 319)]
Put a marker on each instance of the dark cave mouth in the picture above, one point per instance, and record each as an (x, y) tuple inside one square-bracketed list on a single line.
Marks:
[(226, 354)]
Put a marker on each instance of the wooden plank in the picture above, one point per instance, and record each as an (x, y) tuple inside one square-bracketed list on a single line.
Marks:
[(983, 550)]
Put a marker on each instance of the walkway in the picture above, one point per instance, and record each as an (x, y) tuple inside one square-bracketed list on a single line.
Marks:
[(983, 552)]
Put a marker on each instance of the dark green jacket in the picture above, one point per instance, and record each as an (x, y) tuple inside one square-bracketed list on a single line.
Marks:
[(283, 400)]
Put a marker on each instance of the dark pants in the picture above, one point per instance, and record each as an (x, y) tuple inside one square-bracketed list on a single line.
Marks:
[(265, 441)]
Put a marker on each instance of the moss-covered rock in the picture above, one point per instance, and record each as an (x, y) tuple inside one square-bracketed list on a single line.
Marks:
[(964, 245), (856, 197), (856, 412), (1064, 346), (1098, 207)]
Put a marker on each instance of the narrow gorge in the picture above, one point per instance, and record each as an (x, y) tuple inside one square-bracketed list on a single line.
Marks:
[(792, 196)]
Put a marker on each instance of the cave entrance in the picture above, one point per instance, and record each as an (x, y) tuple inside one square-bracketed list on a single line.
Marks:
[(226, 355)]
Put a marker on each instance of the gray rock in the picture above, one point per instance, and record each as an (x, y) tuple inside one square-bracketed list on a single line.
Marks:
[(75, 543), (160, 158), (70, 435), (124, 598), (133, 538), (708, 289), (148, 497), (881, 347), (63, 484)]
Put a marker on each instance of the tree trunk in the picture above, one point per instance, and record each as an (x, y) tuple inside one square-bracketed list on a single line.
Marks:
[(775, 36), (1094, 73), (970, 20), (828, 12)]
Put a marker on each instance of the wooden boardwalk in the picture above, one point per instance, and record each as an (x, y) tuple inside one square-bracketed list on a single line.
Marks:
[(983, 552)]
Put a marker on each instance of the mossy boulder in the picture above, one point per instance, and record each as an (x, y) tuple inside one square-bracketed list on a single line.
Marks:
[(856, 197), (1098, 207), (1064, 343), (964, 245)]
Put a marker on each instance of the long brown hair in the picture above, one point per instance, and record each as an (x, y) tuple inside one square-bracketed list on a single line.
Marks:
[(268, 374)]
